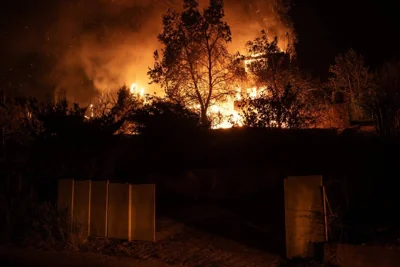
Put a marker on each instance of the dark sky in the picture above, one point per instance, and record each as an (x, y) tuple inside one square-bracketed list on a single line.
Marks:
[(324, 28)]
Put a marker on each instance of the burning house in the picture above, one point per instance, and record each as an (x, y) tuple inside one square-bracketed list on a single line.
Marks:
[(272, 61)]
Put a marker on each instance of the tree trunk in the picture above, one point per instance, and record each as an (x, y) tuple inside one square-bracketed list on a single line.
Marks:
[(204, 119)]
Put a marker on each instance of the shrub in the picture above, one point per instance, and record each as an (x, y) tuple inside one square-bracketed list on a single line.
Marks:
[(43, 225)]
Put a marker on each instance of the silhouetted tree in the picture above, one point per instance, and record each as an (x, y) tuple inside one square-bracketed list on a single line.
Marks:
[(269, 66), (16, 123), (383, 100), (111, 112), (268, 63), (17, 132), (102, 103), (277, 109), (195, 68), (351, 79), (163, 117), (68, 141), (58, 119)]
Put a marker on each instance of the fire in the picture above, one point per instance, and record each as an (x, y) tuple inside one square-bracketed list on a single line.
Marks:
[(251, 59), (135, 91), (225, 114), (91, 111), (225, 111)]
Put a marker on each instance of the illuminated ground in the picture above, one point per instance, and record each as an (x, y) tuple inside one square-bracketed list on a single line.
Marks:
[(10, 257), (202, 240), (194, 243)]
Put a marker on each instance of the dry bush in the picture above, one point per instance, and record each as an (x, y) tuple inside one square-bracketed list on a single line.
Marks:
[(44, 226), (54, 228)]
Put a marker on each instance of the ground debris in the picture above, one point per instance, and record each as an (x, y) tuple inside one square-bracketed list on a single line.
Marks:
[(185, 246)]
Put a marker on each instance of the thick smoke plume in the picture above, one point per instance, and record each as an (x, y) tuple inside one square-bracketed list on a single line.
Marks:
[(82, 47)]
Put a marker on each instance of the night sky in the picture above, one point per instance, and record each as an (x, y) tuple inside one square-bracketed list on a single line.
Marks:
[(323, 28), (326, 28)]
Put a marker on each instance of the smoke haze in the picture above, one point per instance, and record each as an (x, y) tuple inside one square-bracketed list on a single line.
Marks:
[(82, 47)]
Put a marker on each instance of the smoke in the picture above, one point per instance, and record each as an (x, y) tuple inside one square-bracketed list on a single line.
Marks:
[(95, 45), (248, 18)]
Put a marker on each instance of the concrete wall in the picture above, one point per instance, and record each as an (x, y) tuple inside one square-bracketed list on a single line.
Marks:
[(303, 215), (112, 210), (98, 209), (119, 202), (143, 212), (81, 206), (344, 255)]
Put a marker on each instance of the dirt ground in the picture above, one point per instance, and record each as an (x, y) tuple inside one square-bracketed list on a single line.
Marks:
[(183, 244), (194, 237), (11, 256)]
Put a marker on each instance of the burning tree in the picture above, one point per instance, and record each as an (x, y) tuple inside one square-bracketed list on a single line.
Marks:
[(103, 103), (284, 97), (270, 65), (195, 68)]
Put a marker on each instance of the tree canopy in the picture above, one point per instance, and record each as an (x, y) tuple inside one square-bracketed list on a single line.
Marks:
[(195, 68)]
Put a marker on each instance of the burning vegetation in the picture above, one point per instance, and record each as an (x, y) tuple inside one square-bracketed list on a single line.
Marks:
[(227, 62), (196, 70), (100, 51)]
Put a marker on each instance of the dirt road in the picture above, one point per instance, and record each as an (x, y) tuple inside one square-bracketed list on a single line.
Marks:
[(13, 257)]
